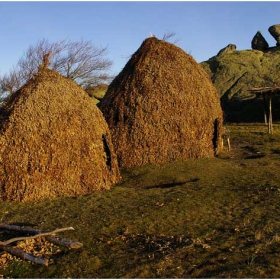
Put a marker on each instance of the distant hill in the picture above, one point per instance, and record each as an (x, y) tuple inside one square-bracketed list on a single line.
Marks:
[(235, 72), (97, 92)]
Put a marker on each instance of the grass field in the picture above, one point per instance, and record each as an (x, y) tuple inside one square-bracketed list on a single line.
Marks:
[(205, 218)]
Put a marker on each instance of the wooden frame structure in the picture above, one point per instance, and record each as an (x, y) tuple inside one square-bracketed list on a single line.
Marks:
[(267, 93)]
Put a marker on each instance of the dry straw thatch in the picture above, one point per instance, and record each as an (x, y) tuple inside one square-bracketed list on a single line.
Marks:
[(162, 107), (54, 142)]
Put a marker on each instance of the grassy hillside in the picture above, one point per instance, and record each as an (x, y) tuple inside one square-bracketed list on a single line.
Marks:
[(205, 218), (234, 73), (97, 92)]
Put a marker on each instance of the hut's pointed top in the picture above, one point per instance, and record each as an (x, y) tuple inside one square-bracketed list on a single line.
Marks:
[(44, 75), (46, 59)]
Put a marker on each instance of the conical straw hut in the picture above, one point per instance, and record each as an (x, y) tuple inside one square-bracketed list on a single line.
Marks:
[(162, 107), (54, 142)]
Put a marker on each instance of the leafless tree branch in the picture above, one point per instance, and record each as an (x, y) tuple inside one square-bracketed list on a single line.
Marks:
[(169, 34), (80, 61)]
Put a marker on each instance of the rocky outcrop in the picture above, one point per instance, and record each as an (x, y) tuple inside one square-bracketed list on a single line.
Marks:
[(228, 48), (236, 73), (259, 43), (274, 30)]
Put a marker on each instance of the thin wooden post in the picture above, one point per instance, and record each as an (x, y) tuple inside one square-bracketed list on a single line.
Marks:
[(226, 136), (270, 126), (228, 142), (264, 109)]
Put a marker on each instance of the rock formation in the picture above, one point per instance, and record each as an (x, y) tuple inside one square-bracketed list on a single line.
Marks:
[(274, 30), (236, 73), (228, 48), (259, 42)]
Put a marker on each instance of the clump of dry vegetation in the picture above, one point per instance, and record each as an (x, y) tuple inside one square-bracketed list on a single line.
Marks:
[(162, 107), (54, 142)]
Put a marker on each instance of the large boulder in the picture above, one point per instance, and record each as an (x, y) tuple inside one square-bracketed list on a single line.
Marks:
[(259, 42), (235, 73), (54, 142), (274, 30), (162, 107)]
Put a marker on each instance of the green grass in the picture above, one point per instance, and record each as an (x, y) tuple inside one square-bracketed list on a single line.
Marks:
[(205, 218), (97, 92)]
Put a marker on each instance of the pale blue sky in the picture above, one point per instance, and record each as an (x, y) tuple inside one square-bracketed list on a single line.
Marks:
[(203, 28)]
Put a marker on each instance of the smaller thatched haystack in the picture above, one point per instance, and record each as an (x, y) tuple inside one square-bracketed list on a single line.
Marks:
[(54, 142), (162, 107)]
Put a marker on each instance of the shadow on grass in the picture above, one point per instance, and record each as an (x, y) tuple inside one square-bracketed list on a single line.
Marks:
[(255, 156), (275, 151), (170, 185)]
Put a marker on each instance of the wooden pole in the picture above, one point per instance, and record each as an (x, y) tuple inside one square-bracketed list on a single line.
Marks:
[(36, 233), (228, 142), (23, 255), (264, 109), (40, 234), (270, 116)]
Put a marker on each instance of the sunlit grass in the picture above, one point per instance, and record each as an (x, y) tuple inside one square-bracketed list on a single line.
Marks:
[(206, 218)]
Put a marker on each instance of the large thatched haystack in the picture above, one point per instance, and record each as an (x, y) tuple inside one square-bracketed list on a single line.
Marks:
[(162, 107), (54, 142)]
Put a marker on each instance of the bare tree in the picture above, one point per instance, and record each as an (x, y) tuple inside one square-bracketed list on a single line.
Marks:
[(11, 82), (169, 34), (83, 63), (80, 61)]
